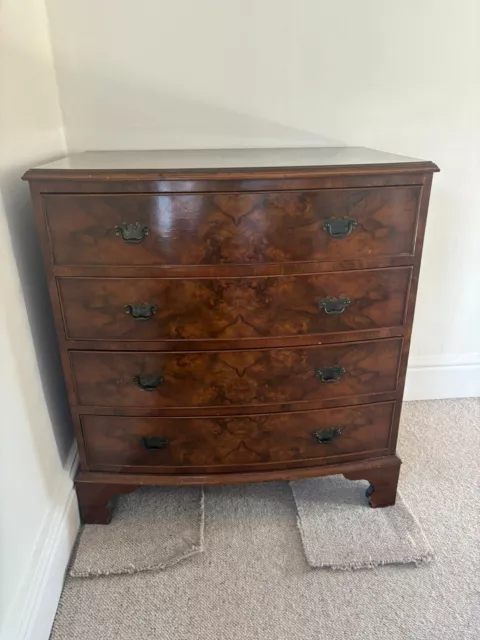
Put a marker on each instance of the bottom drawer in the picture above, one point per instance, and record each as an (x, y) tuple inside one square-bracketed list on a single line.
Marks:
[(254, 442)]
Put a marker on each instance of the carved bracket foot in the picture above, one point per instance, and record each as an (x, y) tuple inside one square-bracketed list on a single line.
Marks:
[(382, 491), (95, 500)]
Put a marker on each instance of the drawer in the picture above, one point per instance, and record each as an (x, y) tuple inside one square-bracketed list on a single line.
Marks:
[(232, 228), (231, 308), (235, 378), (169, 445)]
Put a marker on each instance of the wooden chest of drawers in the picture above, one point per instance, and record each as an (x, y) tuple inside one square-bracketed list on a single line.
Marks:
[(232, 316)]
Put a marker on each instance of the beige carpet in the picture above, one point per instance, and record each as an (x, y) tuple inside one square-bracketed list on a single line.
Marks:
[(152, 528), (156, 527), (253, 582), (339, 530)]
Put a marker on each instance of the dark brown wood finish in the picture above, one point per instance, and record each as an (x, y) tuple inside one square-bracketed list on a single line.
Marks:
[(411, 303), (228, 410), (382, 491), (179, 309), (239, 257), (96, 500), (223, 164), (225, 228), (97, 490), (235, 378), (222, 444)]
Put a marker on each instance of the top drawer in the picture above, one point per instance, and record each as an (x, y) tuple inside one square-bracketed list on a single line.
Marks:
[(232, 228)]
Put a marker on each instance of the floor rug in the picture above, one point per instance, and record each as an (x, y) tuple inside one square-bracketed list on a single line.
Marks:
[(152, 528), (340, 531)]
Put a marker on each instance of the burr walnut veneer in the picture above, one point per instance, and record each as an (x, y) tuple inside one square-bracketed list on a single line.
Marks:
[(232, 316)]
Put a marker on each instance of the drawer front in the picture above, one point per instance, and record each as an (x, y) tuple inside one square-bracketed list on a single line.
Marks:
[(242, 228), (194, 445), (230, 308), (235, 378)]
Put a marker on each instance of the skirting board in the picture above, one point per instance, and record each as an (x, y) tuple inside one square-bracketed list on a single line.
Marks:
[(34, 614), (442, 381)]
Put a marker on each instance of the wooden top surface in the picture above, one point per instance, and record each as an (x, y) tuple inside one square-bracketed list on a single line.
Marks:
[(222, 161)]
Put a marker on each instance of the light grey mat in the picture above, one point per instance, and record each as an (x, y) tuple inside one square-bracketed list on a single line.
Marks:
[(152, 528), (340, 531)]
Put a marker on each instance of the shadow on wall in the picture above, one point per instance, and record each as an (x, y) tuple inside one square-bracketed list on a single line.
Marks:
[(151, 118), (16, 198), (146, 116)]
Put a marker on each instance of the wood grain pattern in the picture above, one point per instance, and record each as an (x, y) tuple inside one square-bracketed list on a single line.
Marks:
[(217, 445), (382, 491), (298, 473), (96, 490), (229, 410), (144, 183), (232, 308), (231, 270), (95, 501), (224, 165), (234, 378), (237, 253), (225, 228)]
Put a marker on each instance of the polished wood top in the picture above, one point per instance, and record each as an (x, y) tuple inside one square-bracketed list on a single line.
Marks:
[(232, 161)]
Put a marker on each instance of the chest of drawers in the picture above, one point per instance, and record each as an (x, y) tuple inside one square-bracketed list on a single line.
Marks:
[(232, 316)]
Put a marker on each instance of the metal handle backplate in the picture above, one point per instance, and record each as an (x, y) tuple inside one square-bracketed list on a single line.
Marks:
[(131, 233), (339, 227), (154, 443), (330, 374), (334, 306), (141, 311), (325, 436), (148, 382)]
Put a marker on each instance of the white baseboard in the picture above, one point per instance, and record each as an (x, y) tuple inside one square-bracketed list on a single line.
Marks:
[(436, 378), (38, 599)]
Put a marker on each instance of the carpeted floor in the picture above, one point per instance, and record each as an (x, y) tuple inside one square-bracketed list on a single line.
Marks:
[(151, 529), (252, 582)]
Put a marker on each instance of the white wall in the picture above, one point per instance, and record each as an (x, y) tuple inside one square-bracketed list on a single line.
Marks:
[(36, 498), (401, 77)]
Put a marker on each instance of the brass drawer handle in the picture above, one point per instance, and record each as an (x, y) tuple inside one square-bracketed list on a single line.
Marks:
[(330, 374), (339, 227), (141, 311), (154, 443), (131, 233), (325, 436), (334, 306), (148, 382)]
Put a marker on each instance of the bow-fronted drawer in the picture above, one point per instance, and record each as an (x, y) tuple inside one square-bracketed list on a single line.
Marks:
[(231, 228), (235, 378)]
